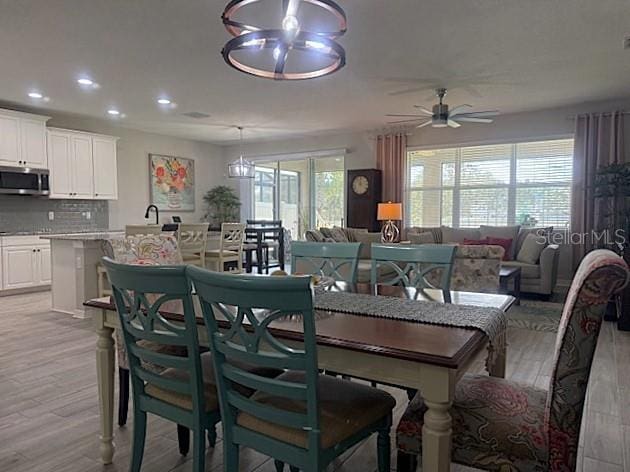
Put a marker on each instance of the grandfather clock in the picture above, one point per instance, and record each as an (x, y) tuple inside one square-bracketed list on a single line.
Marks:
[(363, 195)]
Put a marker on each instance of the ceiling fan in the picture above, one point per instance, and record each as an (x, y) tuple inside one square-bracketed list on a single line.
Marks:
[(441, 117)]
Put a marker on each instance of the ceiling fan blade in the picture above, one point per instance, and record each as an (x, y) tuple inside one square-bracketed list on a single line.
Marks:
[(404, 121), (481, 114), (396, 115), (459, 110), (424, 110), (472, 119), (453, 124), (406, 91), (291, 7), (426, 123)]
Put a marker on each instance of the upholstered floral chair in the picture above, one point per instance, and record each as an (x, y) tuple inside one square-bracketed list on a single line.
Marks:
[(140, 249), (499, 425)]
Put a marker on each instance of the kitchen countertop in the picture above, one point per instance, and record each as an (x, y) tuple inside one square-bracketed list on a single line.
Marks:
[(96, 236)]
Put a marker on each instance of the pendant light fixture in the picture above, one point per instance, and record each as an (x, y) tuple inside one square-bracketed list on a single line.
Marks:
[(265, 52), (241, 168)]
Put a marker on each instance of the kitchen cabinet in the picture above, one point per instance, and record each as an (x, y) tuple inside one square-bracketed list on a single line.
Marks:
[(22, 140), (105, 175), (26, 262), (82, 165)]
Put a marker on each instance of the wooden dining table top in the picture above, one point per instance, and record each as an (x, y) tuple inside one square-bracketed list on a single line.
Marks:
[(445, 346)]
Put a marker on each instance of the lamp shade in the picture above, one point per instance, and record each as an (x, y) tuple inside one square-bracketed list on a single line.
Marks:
[(389, 211)]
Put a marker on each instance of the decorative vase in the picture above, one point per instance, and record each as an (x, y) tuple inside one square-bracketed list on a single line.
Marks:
[(174, 200)]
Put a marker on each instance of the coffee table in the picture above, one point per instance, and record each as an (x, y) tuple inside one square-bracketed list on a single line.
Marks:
[(511, 273)]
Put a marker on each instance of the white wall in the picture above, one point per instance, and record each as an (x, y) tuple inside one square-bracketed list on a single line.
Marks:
[(133, 168)]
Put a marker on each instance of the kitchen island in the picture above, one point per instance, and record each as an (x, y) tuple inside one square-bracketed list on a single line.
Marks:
[(74, 275)]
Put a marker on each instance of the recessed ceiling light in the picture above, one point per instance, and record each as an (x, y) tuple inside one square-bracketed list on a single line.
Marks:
[(85, 81), (113, 112), (164, 101), (36, 95)]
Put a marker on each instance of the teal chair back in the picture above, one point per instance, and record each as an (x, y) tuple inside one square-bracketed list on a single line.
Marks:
[(417, 262), (140, 292), (249, 304), (336, 260)]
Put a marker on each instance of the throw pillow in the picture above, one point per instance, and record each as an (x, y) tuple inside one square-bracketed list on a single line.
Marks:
[(531, 249), (366, 247), (339, 234), (352, 233), (437, 232), (457, 235), (502, 232), (522, 234), (314, 236), (422, 238), (327, 232), (475, 242), (506, 244)]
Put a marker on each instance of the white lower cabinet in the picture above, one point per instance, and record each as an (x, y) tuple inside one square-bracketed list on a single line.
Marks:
[(26, 262)]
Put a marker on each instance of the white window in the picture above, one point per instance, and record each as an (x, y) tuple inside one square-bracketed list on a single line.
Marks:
[(501, 184)]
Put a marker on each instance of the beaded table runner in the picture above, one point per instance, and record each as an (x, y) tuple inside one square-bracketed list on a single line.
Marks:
[(491, 321)]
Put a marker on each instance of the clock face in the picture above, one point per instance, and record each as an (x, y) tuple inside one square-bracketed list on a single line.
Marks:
[(360, 185)]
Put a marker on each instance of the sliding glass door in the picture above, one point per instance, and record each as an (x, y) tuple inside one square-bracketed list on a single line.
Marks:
[(303, 193)]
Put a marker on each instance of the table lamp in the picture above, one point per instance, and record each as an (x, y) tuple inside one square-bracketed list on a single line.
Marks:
[(389, 212)]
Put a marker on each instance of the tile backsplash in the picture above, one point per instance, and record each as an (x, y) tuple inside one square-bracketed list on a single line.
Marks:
[(30, 214)]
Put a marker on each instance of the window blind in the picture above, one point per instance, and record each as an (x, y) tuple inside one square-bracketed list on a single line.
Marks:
[(491, 184)]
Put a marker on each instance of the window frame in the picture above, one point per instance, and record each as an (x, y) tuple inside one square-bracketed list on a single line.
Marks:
[(512, 187)]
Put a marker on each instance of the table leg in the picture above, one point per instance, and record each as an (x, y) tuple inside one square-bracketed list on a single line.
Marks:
[(517, 287), (105, 378), (248, 261), (437, 430), (497, 369)]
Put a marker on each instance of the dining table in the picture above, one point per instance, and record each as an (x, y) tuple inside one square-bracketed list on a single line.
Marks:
[(430, 358)]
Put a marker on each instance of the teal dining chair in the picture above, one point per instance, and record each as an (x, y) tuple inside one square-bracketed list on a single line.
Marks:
[(336, 260), (184, 392), (300, 418), (411, 264)]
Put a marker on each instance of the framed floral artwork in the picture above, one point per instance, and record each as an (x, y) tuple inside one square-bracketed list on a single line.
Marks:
[(172, 182)]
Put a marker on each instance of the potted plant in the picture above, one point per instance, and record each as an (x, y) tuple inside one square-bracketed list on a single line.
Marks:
[(223, 206), (612, 191)]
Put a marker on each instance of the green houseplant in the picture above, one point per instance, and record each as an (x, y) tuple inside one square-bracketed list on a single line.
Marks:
[(612, 191), (223, 206)]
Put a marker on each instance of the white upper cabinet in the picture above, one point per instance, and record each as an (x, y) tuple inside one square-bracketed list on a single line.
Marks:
[(9, 141), (60, 162), (33, 135), (105, 168), (22, 139), (82, 165)]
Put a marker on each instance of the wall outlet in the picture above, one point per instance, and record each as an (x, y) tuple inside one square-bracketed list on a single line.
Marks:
[(51, 216)]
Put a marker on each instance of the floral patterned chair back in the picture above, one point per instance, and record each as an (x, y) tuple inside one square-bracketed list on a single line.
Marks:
[(142, 249), (145, 249), (601, 274)]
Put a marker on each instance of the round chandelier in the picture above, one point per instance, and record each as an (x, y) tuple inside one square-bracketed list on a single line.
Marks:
[(288, 52)]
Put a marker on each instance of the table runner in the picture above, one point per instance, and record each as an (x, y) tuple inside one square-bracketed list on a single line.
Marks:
[(492, 321)]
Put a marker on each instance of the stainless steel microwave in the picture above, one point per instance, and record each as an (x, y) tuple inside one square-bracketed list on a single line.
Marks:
[(24, 181)]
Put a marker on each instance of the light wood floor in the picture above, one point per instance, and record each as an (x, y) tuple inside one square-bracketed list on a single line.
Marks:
[(49, 414)]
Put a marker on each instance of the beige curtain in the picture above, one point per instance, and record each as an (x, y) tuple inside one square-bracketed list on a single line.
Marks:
[(598, 143), (391, 159)]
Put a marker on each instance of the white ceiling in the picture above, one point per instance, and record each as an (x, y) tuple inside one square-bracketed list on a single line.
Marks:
[(514, 55)]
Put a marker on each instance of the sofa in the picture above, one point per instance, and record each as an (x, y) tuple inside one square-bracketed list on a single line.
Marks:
[(528, 249), (476, 268)]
